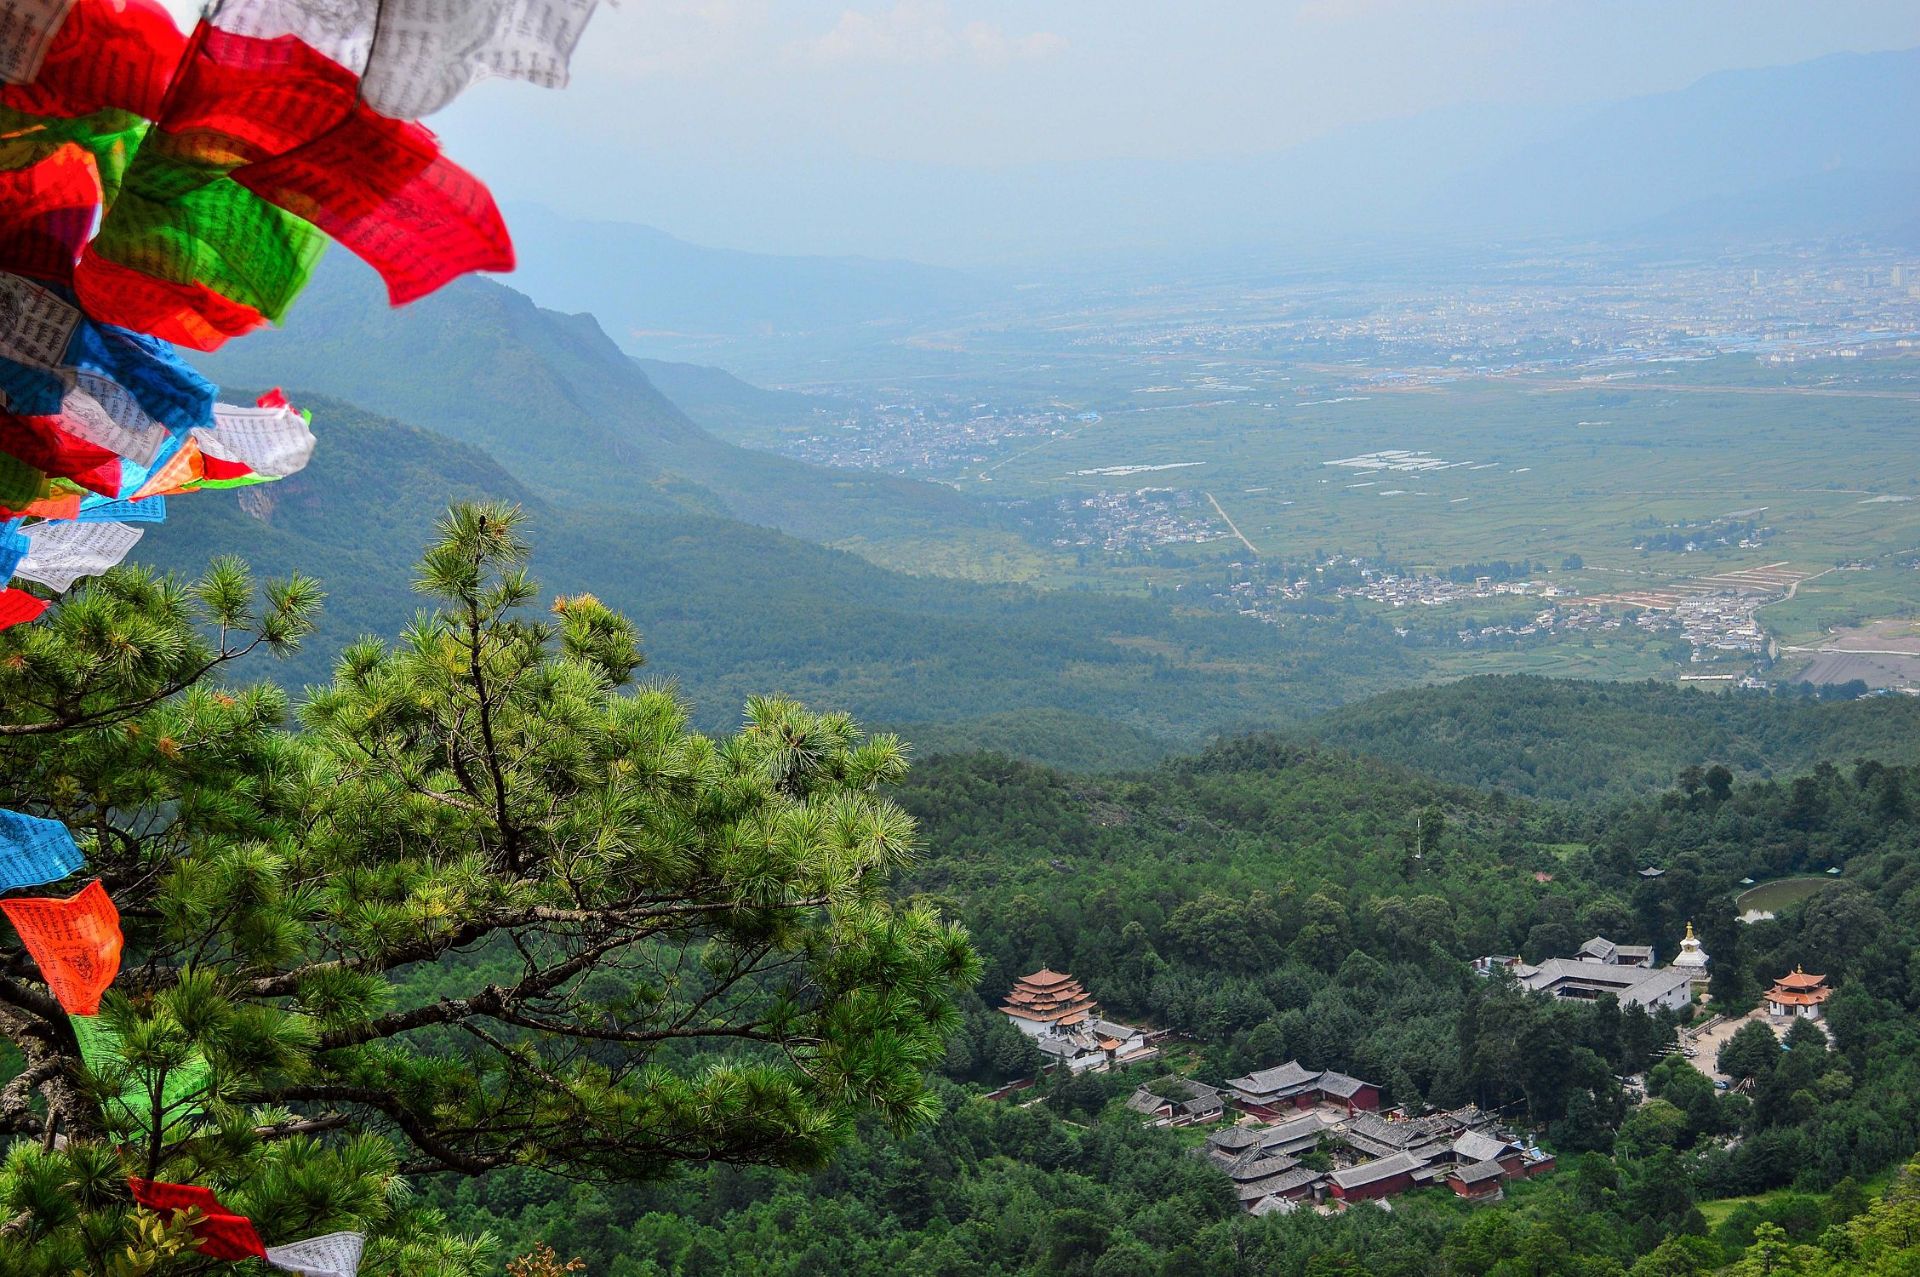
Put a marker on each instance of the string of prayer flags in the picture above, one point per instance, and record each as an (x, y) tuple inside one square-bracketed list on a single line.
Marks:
[(76, 942), (331, 1255), (35, 851), (263, 150), (222, 1234), (160, 189), (413, 57)]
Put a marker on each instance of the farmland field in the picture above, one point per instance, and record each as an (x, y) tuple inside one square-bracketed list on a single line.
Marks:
[(1882, 654), (1484, 470)]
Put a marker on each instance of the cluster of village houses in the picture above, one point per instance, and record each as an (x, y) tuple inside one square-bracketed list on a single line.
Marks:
[(1281, 1115), (1278, 1119)]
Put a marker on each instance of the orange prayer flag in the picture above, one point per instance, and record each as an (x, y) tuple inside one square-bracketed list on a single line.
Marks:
[(179, 473), (76, 941)]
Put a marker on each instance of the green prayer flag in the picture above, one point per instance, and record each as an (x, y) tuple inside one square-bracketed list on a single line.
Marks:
[(111, 136), (20, 484), (180, 1093), (189, 223)]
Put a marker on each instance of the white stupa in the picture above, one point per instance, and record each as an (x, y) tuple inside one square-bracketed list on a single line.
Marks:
[(1692, 957)]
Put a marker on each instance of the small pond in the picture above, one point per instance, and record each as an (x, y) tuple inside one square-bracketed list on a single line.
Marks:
[(1758, 903)]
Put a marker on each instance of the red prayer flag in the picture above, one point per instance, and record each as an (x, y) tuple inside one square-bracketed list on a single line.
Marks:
[(75, 941), (239, 98), (107, 55), (184, 314), (41, 443), (383, 189), (17, 607), (288, 118), (223, 1234), (46, 213)]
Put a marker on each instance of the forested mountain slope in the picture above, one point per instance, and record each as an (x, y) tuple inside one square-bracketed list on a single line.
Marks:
[(1552, 738), (563, 408), (1265, 898), (735, 410), (729, 609)]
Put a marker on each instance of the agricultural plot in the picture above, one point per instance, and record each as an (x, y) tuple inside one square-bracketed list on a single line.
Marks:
[(1433, 475), (1884, 654)]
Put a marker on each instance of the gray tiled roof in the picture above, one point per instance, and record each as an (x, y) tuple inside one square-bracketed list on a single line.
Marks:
[(1278, 1080), (1477, 1146), (1234, 1137), (1633, 986), (1341, 1085), (1375, 1171), (1479, 1172)]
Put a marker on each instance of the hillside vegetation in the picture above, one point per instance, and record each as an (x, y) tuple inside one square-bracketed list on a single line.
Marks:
[(730, 609), (1272, 900), (1550, 738)]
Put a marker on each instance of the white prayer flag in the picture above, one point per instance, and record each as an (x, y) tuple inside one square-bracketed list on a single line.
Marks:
[(271, 442), (64, 552), (104, 412), (334, 1255), (35, 323), (415, 56), (27, 28)]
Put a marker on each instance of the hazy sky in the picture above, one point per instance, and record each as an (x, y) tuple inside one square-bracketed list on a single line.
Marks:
[(678, 106)]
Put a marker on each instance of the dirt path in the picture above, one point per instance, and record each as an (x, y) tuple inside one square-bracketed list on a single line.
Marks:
[(1233, 527)]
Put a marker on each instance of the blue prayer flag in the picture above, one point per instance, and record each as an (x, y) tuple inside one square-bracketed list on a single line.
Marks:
[(35, 851), (13, 548), (162, 383), (98, 509)]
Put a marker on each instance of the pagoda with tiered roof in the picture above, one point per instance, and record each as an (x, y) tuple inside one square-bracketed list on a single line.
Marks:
[(1048, 1000), (1800, 993)]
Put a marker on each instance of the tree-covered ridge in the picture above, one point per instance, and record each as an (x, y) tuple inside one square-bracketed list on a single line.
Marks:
[(1174, 907), (998, 1190), (1549, 738), (491, 904)]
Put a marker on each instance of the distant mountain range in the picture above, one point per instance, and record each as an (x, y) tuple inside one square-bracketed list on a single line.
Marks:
[(653, 291), (1822, 147), (1762, 145)]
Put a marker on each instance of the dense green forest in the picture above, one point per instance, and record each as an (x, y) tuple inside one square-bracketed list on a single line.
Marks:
[(1272, 900), (1266, 898), (1551, 738)]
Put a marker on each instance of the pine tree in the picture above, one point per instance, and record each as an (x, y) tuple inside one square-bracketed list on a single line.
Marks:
[(487, 903)]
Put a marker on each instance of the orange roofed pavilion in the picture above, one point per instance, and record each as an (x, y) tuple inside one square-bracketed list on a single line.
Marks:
[(1049, 998), (1799, 993)]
